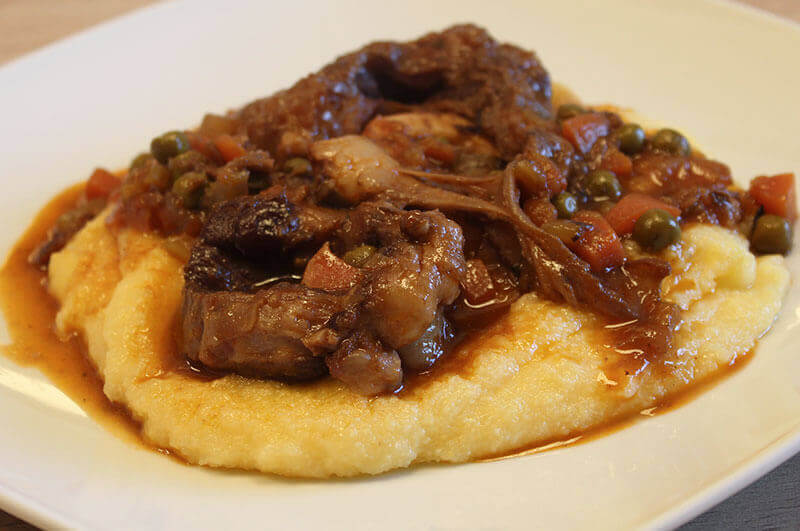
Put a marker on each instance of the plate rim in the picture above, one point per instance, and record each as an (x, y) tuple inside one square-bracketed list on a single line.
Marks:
[(744, 474)]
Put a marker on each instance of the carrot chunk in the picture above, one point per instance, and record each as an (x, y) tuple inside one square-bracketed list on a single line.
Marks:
[(600, 247), (617, 162), (622, 216), (584, 130), (228, 147), (776, 194)]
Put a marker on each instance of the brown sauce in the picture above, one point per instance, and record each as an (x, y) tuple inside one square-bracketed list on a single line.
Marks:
[(460, 359), (666, 405), (30, 314)]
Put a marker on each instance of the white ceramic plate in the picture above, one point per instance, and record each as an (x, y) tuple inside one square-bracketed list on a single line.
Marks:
[(724, 74)]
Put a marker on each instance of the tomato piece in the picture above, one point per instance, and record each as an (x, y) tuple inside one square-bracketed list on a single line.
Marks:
[(600, 247), (101, 183), (202, 144), (617, 162), (327, 271), (584, 130), (622, 216), (776, 194), (228, 147)]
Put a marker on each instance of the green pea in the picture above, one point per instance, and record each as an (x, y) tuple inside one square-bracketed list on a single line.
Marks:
[(185, 162), (566, 205), (603, 185), (671, 141), (168, 145), (140, 160), (631, 139), (189, 188), (771, 235), (358, 256), (569, 110), (156, 176), (656, 229), (297, 166)]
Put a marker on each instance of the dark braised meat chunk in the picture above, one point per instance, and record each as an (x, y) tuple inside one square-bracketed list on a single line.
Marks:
[(259, 333), (269, 224), (349, 319), (502, 89), (415, 270)]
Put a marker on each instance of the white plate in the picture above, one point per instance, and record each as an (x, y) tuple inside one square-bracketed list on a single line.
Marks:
[(725, 74)]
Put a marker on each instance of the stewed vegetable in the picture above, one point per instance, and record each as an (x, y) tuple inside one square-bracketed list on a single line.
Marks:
[(185, 162), (566, 205), (189, 188), (569, 110), (656, 229), (771, 235), (603, 185), (631, 139), (168, 145), (672, 142)]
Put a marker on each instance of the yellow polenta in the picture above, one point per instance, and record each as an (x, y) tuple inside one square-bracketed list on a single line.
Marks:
[(541, 378)]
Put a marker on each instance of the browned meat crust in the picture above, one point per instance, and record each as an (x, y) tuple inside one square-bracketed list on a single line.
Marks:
[(237, 316), (504, 90)]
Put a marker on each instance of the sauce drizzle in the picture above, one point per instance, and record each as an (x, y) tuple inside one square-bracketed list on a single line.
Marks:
[(30, 314)]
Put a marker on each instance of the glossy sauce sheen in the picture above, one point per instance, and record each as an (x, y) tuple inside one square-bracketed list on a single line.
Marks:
[(30, 313), (665, 406)]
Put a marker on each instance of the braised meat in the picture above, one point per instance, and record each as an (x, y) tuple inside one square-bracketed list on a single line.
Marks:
[(240, 314), (259, 333), (502, 89)]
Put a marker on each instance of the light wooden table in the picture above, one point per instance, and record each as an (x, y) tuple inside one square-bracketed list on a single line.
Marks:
[(771, 503)]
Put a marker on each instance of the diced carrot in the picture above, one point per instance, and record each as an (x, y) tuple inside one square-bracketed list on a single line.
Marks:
[(327, 271), (583, 130), (776, 194), (617, 162), (599, 247), (202, 144), (622, 216), (228, 147), (101, 183)]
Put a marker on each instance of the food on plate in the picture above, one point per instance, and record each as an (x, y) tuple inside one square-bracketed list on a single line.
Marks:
[(411, 256)]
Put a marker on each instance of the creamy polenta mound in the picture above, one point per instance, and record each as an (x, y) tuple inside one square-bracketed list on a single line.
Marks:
[(541, 377)]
